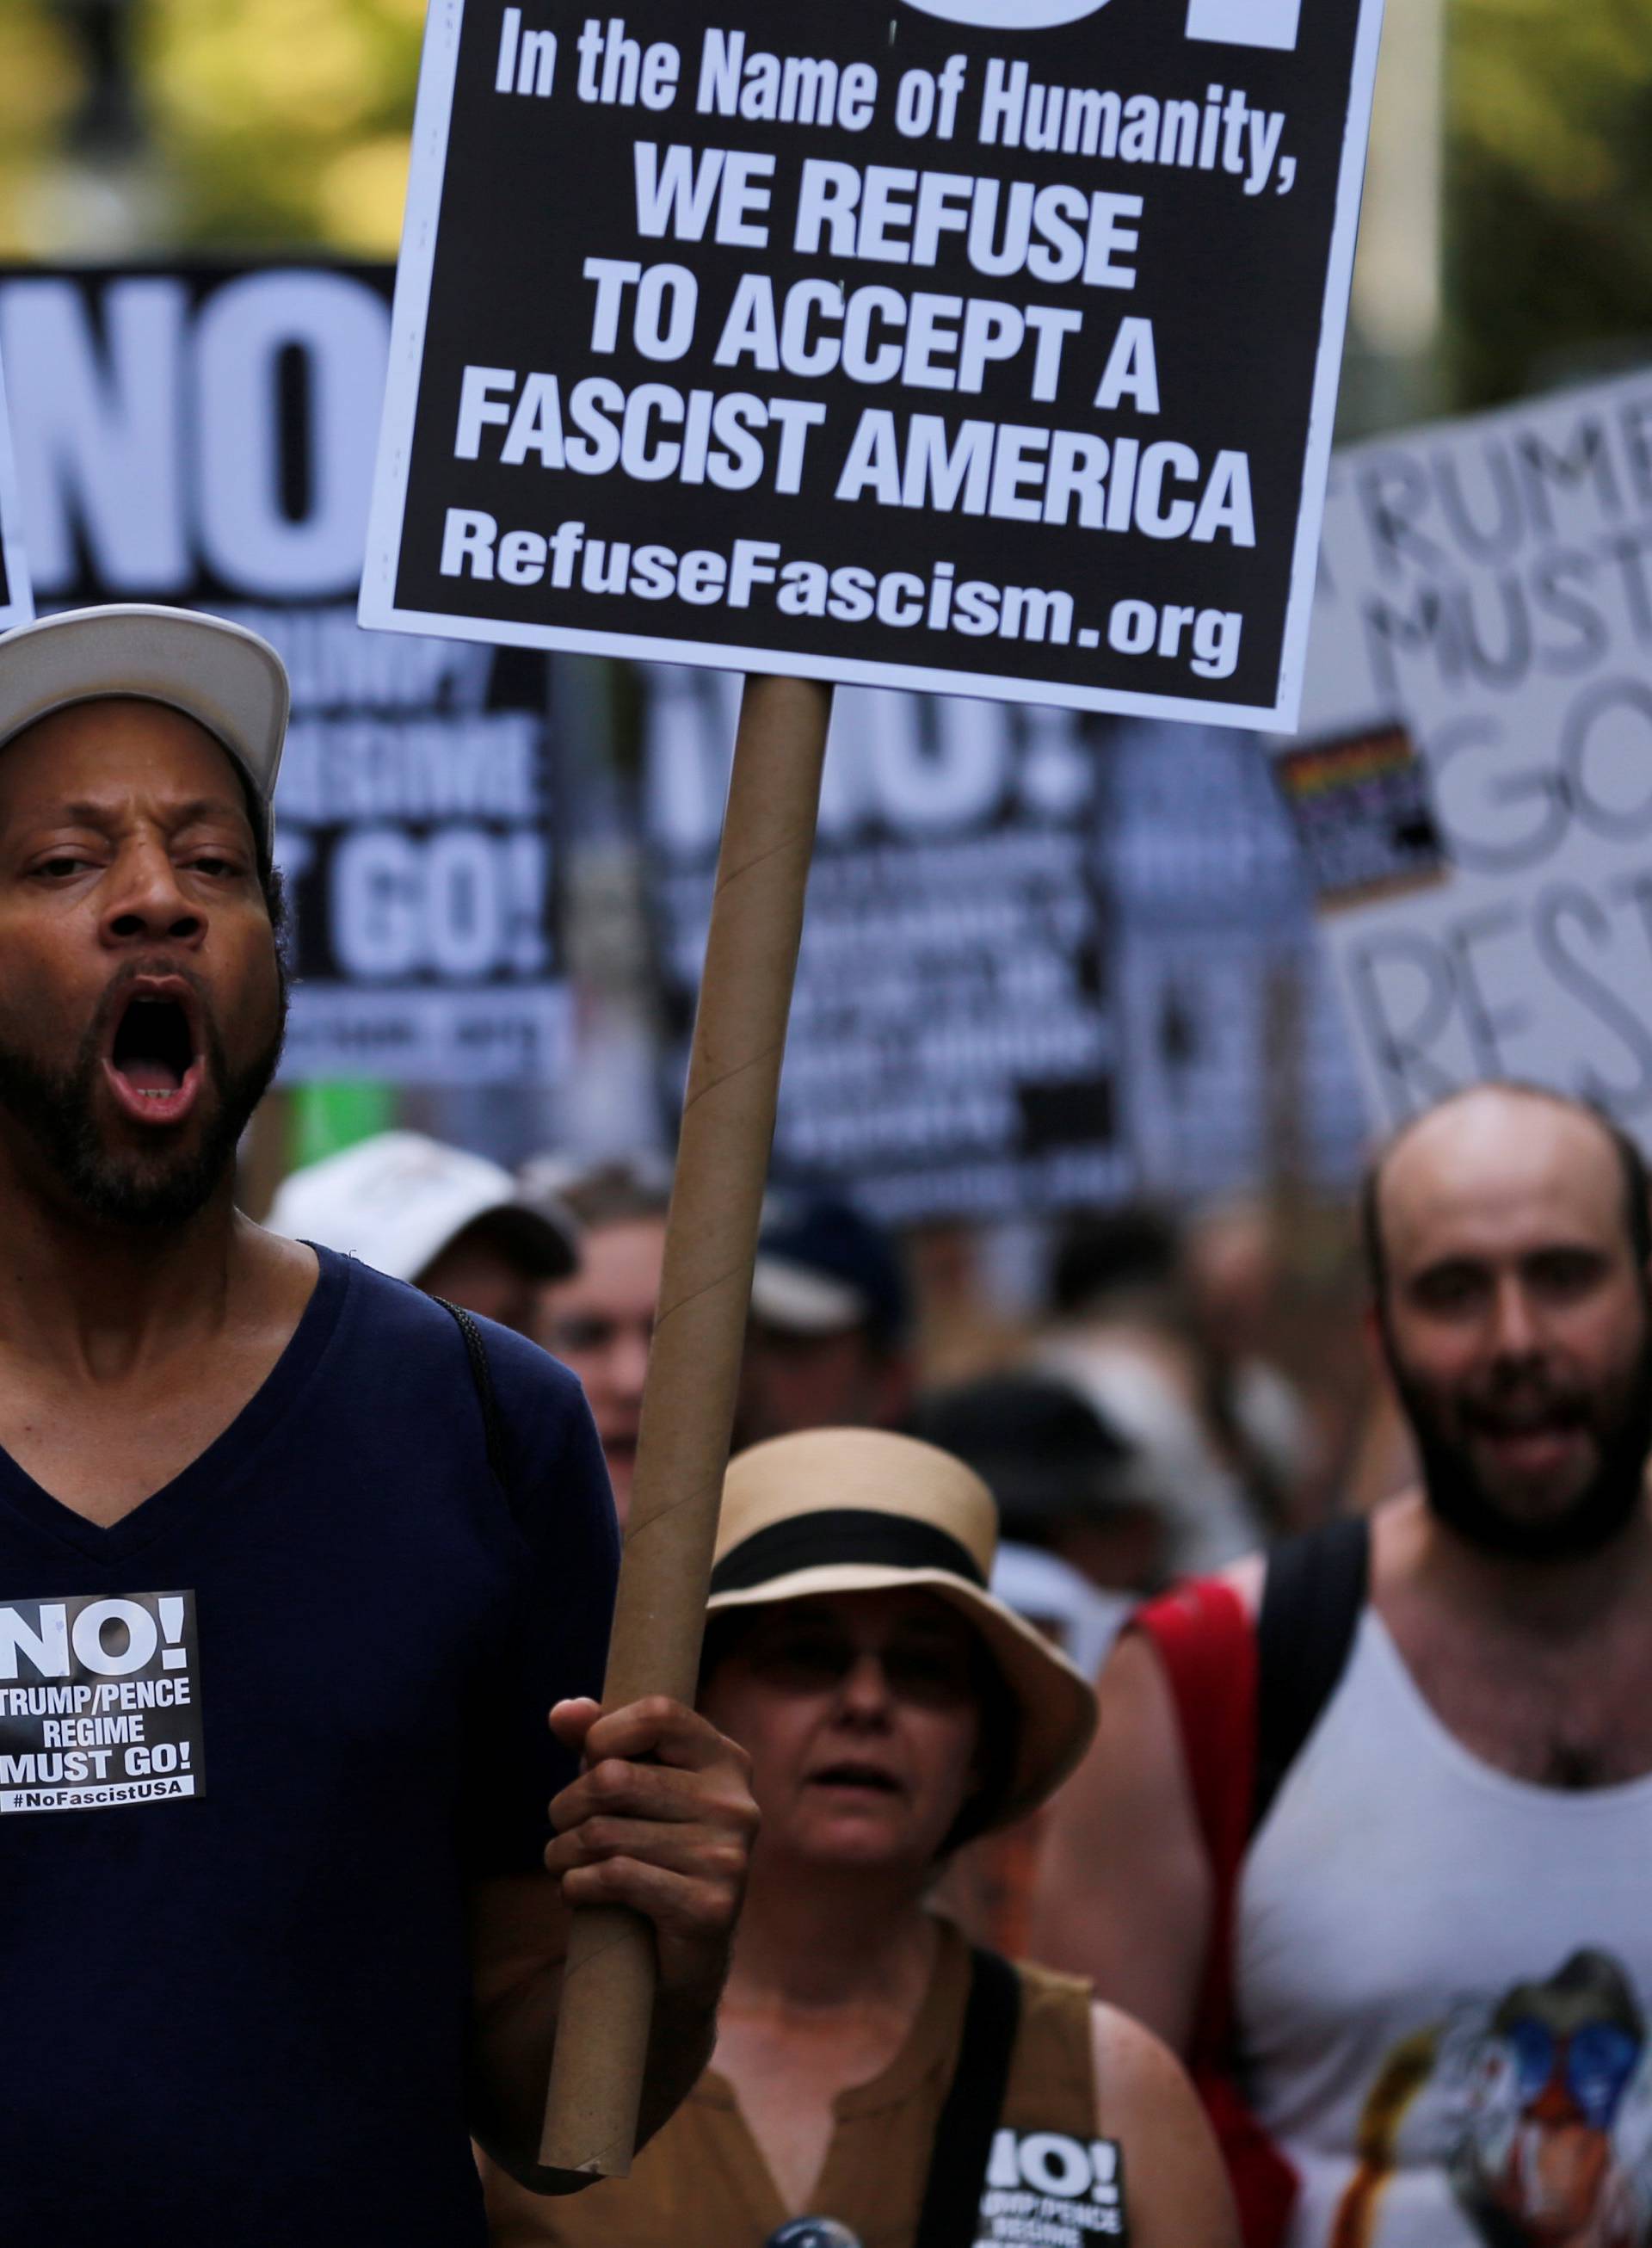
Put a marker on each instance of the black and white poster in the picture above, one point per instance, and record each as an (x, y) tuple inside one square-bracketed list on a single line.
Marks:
[(1487, 588), (953, 1050), (1048, 2190), (204, 436), (99, 1702), (979, 345), (1239, 1071), (17, 603)]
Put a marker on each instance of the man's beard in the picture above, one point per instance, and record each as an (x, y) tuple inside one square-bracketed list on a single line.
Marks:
[(154, 1187), (1457, 1495)]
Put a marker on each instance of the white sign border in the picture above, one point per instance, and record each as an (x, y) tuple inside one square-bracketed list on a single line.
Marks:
[(19, 610), (378, 610)]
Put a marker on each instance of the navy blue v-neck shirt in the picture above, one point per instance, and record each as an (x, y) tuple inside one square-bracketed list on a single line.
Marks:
[(238, 2019)]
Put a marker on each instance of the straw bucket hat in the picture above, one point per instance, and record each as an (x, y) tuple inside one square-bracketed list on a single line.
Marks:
[(857, 1509)]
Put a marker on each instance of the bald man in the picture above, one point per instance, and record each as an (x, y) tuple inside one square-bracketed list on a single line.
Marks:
[(1366, 1831)]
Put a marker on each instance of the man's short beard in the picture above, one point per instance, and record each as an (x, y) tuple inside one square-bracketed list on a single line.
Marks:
[(1602, 1510), (148, 1188)]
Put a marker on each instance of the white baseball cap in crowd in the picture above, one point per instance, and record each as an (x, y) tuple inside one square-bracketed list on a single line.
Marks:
[(220, 674), (397, 1201)]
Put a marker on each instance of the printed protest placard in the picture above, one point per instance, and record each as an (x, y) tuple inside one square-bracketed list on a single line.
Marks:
[(99, 1702), (1048, 2187), (204, 436), (1487, 586), (952, 1049), (16, 602), (982, 345), (1237, 1069)]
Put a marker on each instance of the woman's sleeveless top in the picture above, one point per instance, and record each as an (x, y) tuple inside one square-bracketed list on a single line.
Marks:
[(702, 2181)]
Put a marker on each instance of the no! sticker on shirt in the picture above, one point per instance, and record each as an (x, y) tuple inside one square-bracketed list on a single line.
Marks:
[(99, 1702)]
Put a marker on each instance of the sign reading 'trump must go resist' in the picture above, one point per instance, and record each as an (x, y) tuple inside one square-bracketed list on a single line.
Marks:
[(982, 345)]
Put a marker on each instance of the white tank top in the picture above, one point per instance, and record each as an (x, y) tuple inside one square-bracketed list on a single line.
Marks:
[(1444, 1977)]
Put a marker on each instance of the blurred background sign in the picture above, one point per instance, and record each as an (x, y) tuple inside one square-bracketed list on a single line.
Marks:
[(1048, 962), (17, 605), (1486, 591), (953, 1048), (203, 434)]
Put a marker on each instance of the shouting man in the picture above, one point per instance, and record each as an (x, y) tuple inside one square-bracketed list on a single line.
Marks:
[(302, 1587), (1365, 1834)]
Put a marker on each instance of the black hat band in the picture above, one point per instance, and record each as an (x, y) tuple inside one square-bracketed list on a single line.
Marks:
[(834, 1536)]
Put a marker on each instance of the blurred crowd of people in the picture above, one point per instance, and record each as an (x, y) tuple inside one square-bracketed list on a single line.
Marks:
[(1133, 1426), (1134, 1431), (1355, 1670)]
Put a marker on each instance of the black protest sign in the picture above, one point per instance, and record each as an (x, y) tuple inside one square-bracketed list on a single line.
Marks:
[(17, 605), (1050, 2187), (1237, 1066), (1487, 585), (980, 344), (204, 436), (953, 1050), (99, 1702)]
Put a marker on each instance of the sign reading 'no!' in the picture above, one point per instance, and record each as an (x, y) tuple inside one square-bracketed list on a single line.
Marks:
[(17, 605), (983, 345)]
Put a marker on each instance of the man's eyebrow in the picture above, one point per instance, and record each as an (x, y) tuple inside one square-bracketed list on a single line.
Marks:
[(83, 812), (213, 807)]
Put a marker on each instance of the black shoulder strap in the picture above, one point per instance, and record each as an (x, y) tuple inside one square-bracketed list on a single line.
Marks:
[(963, 2136), (1311, 1601), (481, 1374)]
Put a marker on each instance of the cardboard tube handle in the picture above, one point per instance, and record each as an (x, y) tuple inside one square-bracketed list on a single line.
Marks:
[(693, 1370)]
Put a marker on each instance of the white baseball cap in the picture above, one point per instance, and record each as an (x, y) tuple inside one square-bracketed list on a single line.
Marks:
[(397, 1201), (220, 674)]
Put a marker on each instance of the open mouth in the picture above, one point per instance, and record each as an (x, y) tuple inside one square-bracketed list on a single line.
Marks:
[(153, 1063), (1544, 1416), (1530, 1437), (870, 1777)]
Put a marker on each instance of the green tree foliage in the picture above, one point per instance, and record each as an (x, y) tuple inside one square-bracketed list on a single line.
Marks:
[(285, 121), (1549, 195), (39, 88)]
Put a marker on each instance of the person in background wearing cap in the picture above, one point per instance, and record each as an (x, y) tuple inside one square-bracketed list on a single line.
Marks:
[(1067, 1481), (1068, 1490), (289, 1581), (600, 1322), (876, 2085), (450, 1222), (826, 1344)]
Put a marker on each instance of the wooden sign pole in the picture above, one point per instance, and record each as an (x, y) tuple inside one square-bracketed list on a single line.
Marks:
[(693, 1371)]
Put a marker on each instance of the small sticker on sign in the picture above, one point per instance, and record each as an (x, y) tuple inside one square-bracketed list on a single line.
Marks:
[(1363, 815), (1058, 2191), (99, 1702)]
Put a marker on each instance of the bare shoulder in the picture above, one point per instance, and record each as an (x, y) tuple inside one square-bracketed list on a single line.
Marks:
[(1174, 2181), (1137, 2076), (1246, 1577), (1134, 1763), (1124, 1829)]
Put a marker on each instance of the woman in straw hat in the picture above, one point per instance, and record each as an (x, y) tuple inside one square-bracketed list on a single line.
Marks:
[(876, 2085)]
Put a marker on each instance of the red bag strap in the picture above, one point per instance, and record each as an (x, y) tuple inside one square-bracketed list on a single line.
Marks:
[(1206, 1641)]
